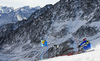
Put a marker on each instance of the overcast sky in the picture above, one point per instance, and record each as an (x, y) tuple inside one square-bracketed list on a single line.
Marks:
[(31, 3)]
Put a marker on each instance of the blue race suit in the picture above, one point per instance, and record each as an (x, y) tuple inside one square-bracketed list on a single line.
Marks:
[(88, 45)]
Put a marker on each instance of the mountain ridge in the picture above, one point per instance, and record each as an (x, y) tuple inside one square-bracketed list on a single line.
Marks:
[(11, 15)]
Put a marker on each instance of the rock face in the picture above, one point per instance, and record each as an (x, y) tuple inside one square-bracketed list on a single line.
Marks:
[(11, 15), (59, 24)]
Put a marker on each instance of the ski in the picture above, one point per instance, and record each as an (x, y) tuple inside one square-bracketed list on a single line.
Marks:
[(80, 52)]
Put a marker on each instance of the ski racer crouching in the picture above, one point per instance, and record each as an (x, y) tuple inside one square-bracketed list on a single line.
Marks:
[(86, 45)]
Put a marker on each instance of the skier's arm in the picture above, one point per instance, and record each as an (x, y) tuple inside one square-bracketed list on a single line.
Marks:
[(82, 43)]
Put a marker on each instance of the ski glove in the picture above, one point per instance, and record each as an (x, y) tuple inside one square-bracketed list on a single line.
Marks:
[(79, 46)]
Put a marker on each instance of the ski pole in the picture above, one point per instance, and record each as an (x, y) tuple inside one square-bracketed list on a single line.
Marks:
[(77, 41)]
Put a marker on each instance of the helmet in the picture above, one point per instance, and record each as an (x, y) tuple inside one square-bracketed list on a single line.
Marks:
[(84, 39)]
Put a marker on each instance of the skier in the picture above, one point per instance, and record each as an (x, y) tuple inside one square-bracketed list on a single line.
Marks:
[(86, 45)]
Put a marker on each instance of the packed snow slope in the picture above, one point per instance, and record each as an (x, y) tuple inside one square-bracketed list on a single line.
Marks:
[(86, 56)]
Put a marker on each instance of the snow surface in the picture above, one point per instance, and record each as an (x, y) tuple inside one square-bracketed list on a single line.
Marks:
[(88, 56)]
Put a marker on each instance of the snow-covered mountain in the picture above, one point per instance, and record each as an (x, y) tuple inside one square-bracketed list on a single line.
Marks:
[(60, 24), (11, 15)]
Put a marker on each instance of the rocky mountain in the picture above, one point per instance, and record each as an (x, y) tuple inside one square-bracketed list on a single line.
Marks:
[(11, 15), (11, 27), (60, 24)]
